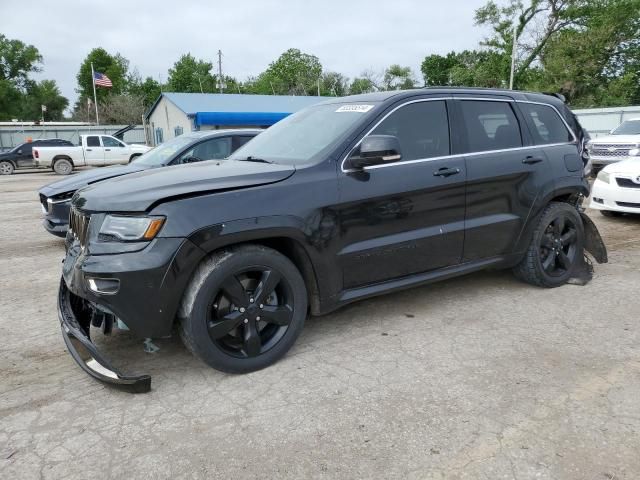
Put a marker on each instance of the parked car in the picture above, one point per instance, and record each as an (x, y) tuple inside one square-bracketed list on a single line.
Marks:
[(616, 189), (94, 151), (55, 197), (21, 156), (344, 200), (621, 144)]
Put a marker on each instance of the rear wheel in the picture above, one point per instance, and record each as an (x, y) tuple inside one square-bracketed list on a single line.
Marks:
[(243, 309), (556, 247), (62, 166), (6, 168)]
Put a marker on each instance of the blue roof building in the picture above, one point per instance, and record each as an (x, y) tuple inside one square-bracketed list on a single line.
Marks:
[(175, 113)]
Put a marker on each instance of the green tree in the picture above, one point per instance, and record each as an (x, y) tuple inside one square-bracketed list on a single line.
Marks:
[(361, 85), (293, 73), (333, 84), (115, 67), (44, 93), (398, 78), (149, 89), (191, 76), (436, 69)]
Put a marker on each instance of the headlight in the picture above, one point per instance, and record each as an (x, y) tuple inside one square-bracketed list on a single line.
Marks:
[(634, 152), (603, 176), (130, 229)]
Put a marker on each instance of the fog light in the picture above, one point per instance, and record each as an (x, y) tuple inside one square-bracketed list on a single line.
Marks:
[(104, 286), (598, 200)]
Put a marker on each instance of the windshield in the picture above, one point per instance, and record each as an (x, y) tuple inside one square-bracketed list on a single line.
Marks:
[(301, 137), (164, 153), (630, 127)]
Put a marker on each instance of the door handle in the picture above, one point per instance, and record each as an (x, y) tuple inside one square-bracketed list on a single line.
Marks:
[(107, 149), (446, 172), (531, 160), (88, 150)]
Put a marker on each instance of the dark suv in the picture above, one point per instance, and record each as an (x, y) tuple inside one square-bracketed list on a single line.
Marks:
[(21, 156), (344, 200)]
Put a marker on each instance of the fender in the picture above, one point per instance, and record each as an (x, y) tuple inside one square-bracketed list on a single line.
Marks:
[(308, 252)]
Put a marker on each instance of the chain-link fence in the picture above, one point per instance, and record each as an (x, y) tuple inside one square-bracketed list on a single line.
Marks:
[(15, 135)]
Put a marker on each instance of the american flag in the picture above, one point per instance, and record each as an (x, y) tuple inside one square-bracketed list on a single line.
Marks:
[(101, 80)]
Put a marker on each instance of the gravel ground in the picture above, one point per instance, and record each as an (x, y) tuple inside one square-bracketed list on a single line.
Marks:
[(480, 377)]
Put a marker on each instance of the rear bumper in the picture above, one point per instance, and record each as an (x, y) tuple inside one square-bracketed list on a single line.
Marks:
[(76, 336)]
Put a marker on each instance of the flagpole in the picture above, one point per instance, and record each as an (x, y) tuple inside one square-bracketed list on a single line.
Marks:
[(95, 97)]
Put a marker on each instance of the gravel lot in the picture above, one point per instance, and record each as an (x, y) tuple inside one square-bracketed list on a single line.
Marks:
[(480, 377)]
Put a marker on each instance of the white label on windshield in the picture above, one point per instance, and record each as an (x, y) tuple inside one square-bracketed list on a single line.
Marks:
[(355, 108)]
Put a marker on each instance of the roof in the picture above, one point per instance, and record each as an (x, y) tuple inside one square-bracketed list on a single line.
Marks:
[(236, 109)]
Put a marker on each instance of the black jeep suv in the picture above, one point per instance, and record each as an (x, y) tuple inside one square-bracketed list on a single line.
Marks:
[(344, 200)]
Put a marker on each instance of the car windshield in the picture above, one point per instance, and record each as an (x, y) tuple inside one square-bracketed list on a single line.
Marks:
[(164, 153), (300, 138), (630, 127)]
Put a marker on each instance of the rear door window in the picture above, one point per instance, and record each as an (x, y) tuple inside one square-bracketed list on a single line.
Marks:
[(93, 141), (545, 124), (421, 127), (490, 125)]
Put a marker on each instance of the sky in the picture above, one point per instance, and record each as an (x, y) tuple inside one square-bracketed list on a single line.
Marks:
[(348, 36)]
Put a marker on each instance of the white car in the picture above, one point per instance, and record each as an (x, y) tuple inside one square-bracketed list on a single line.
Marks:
[(616, 189), (622, 143), (93, 151)]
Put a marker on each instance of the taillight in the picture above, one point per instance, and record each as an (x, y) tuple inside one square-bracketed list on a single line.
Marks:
[(36, 154)]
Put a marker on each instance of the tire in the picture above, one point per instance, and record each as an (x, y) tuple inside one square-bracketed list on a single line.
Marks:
[(610, 213), (543, 265), (62, 166), (220, 327), (6, 168)]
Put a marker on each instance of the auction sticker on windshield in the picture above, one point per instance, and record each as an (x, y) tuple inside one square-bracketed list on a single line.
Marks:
[(355, 108)]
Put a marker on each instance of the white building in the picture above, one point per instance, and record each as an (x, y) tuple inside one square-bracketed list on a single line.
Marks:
[(175, 113)]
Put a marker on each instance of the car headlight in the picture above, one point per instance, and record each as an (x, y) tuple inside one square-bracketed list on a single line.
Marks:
[(130, 229), (634, 152), (603, 176)]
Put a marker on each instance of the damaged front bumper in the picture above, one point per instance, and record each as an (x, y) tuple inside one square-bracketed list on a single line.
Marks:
[(75, 324)]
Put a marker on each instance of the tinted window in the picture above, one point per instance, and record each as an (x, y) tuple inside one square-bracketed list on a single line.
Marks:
[(93, 142), (490, 125), (422, 129), (214, 149), (545, 124), (240, 141), (111, 142), (26, 149)]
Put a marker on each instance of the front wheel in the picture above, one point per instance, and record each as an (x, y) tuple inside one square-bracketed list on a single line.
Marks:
[(556, 247), (6, 168), (243, 309)]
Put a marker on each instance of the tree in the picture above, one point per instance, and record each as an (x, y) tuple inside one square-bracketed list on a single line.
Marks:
[(115, 67), (436, 69), (149, 89), (191, 75), (293, 73), (333, 84), (361, 85), (122, 109), (398, 78), (44, 93)]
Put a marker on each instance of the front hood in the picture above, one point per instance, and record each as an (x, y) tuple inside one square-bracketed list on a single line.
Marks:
[(138, 191), (629, 168), (613, 139), (82, 179)]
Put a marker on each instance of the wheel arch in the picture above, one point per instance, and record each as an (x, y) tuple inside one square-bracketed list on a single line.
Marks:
[(134, 155), (62, 157), (11, 161)]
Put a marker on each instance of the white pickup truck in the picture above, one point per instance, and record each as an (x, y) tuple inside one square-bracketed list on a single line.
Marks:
[(94, 150)]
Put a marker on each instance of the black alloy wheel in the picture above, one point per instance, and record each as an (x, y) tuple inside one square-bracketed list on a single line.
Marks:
[(243, 308), (559, 246), (251, 312)]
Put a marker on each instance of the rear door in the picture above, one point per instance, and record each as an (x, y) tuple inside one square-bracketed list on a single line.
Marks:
[(115, 152), (94, 151), (406, 217), (504, 175)]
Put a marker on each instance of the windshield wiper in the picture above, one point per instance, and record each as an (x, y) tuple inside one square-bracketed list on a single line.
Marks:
[(254, 159)]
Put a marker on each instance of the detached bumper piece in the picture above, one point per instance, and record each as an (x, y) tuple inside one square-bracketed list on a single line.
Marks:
[(75, 332)]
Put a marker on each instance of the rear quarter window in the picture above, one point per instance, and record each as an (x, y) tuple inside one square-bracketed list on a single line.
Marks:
[(545, 124)]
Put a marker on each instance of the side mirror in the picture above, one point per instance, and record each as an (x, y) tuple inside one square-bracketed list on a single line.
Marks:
[(376, 150), (19, 152)]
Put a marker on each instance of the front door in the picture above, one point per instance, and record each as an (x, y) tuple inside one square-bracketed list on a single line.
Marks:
[(405, 217), (24, 159), (94, 151), (115, 151)]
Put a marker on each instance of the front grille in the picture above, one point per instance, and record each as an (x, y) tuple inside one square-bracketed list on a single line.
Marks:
[(43, 201), (611, 150), (628, 204), (79, 226), (627, 183)]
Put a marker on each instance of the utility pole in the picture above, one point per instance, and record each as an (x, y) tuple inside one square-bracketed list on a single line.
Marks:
[(513, 54), (220, 70)]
